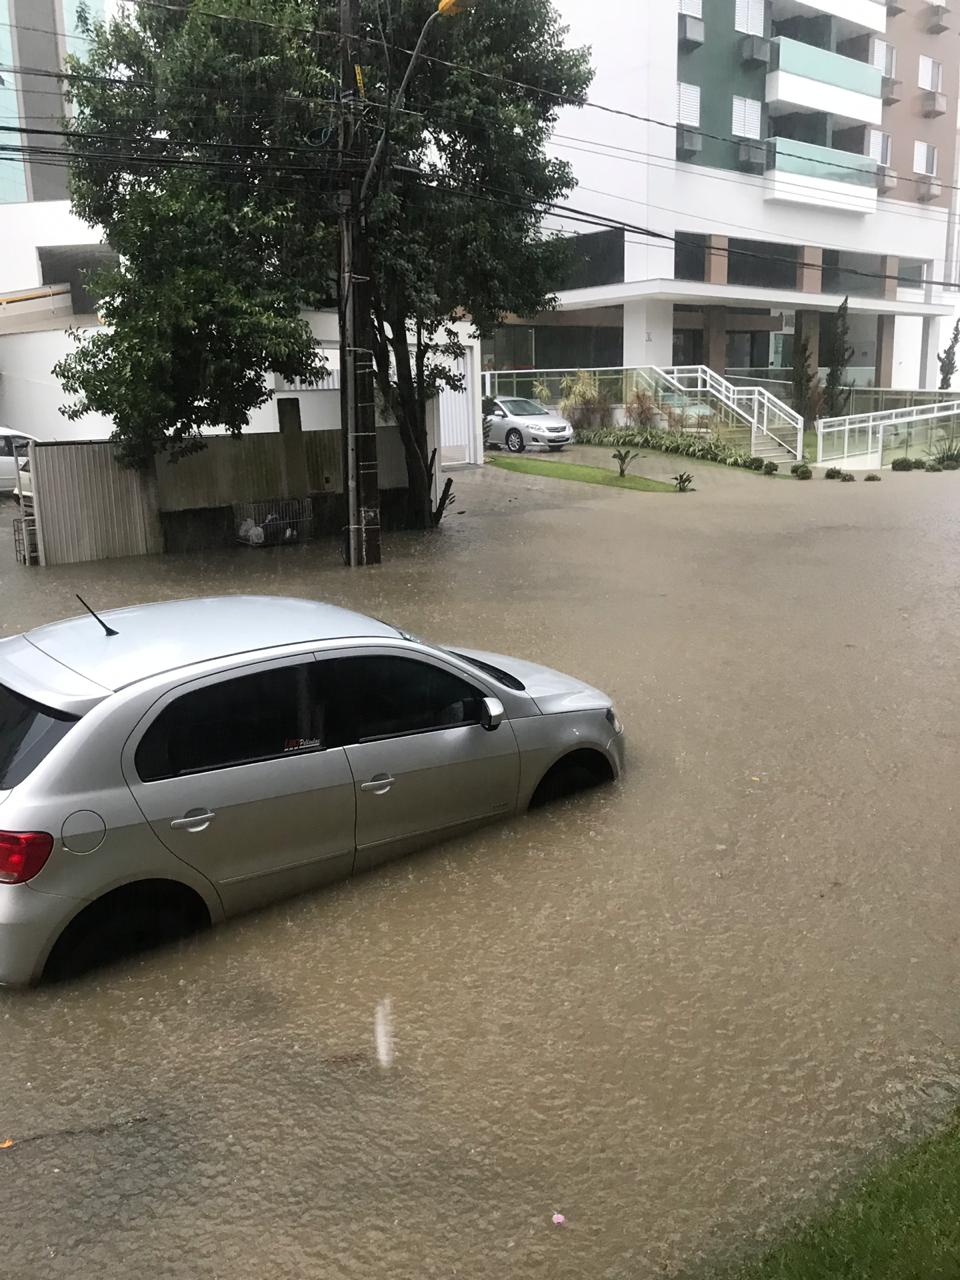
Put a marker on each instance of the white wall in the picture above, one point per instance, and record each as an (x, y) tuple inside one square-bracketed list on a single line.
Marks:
[(31, 225), (30, 395)]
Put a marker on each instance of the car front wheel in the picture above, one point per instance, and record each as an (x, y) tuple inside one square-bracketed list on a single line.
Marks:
[(514, 441)]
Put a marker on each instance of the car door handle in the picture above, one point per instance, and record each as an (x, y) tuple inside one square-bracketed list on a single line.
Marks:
[(380, 785), (195, 821)]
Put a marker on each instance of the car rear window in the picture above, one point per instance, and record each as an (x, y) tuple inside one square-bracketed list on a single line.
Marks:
[(28, 733)]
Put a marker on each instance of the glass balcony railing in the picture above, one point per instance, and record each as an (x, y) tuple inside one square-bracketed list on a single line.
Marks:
[(806, 60), (788, 155)]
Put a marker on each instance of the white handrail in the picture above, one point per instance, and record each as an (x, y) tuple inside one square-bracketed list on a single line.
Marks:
[(876, 424)]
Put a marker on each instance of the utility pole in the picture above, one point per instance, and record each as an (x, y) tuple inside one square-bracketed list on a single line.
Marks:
[(358, 415)]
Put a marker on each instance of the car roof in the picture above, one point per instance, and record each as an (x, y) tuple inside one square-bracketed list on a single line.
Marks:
[(154, 638)]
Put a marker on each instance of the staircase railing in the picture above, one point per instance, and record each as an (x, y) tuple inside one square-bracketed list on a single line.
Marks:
[(761, 411)]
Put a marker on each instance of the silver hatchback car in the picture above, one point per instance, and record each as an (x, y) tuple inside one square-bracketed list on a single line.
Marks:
[(165, 766)]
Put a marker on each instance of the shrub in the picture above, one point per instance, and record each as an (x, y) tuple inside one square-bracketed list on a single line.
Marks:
[(683, 481), (796, 467), (803, 472), (933, 466), (947, 449), (623, 458), (641, 410), (583, 403), (918, 464), (901, 464), (872, 476), (833, 473), (687, 445), (755, 464), (770, 468), (847, 477), (950, 464)]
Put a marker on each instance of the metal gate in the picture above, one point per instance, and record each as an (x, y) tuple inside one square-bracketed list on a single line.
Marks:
[(461, 430)]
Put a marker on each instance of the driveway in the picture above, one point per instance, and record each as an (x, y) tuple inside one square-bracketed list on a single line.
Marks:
[(678, 1011)]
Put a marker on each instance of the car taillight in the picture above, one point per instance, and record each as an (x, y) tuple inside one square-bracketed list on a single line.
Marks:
[(22, 854)]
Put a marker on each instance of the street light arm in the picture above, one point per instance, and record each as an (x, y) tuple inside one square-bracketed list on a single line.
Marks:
[(397, 103)]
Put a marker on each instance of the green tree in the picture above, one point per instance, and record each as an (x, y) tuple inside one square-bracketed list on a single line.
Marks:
[(804, 380), (205, 144), (948, 359), (836, 394)]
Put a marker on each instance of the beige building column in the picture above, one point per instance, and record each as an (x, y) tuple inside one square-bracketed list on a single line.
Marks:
[(810, 269), (715, 338), (890, 267), (717, 259)]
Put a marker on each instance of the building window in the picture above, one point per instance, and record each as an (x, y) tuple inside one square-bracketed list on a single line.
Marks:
[(925, 159), (884, 56), (879, 146), (746, 117), (750, 16), (688, 104), (692, 8), (931, 75)]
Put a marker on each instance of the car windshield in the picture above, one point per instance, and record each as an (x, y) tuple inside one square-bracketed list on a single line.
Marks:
[(524, 408), (489, 669), (28, 732)]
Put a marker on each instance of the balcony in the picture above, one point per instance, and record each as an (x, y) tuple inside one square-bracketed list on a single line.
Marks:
[(854, 15), (806, 78), (802, 173)]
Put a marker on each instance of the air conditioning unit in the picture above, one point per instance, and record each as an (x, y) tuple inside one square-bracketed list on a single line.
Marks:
[(689, 143), (886, 180), (755, 51), (752, 156), (929, 189), (891, 91), (691, 33), (938, 18), (933, 103)]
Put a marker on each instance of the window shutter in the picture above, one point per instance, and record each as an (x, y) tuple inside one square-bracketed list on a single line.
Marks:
[(753, 118), (688, 104), (747, 114), (926, 72), (919, 157), (692, 8), (875, 148), (749, 16)]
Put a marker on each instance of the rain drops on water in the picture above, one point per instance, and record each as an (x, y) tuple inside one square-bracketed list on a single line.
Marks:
[(383, 1031)]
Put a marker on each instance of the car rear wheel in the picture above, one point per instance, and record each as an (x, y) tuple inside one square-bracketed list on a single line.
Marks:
[(514, 441)]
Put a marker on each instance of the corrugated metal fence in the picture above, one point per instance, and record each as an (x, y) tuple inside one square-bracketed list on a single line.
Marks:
[(106, 510)]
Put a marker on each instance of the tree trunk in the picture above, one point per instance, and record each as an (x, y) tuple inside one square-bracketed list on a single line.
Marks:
[(403, 401)]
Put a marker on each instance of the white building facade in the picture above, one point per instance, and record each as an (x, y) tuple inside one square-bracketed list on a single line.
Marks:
[(785, 155)]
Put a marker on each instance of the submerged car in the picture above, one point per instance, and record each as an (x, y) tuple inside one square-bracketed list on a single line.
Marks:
[(515, 423), (165, 766)]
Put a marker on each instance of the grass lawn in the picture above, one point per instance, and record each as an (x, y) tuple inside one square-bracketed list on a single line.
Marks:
[(586, 475), (902, 1223)]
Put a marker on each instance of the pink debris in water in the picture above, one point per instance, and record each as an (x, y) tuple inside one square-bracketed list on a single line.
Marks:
[(559, 1220)]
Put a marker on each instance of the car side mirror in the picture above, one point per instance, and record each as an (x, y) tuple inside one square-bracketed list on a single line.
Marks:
[(499, 413), (491, 713)]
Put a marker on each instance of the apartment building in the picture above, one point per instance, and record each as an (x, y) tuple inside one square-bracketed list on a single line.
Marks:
[(37, 229), (772, 157)]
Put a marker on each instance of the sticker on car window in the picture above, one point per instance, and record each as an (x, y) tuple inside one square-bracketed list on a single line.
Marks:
[(300, 744)]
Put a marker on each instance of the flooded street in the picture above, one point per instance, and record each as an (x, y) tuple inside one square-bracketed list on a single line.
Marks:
[(677, 1011)]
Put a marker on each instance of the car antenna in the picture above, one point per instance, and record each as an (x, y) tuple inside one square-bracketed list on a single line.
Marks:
[(109, 630)]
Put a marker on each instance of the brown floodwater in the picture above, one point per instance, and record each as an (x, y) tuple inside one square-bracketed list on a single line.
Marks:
[(678, 1011)]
